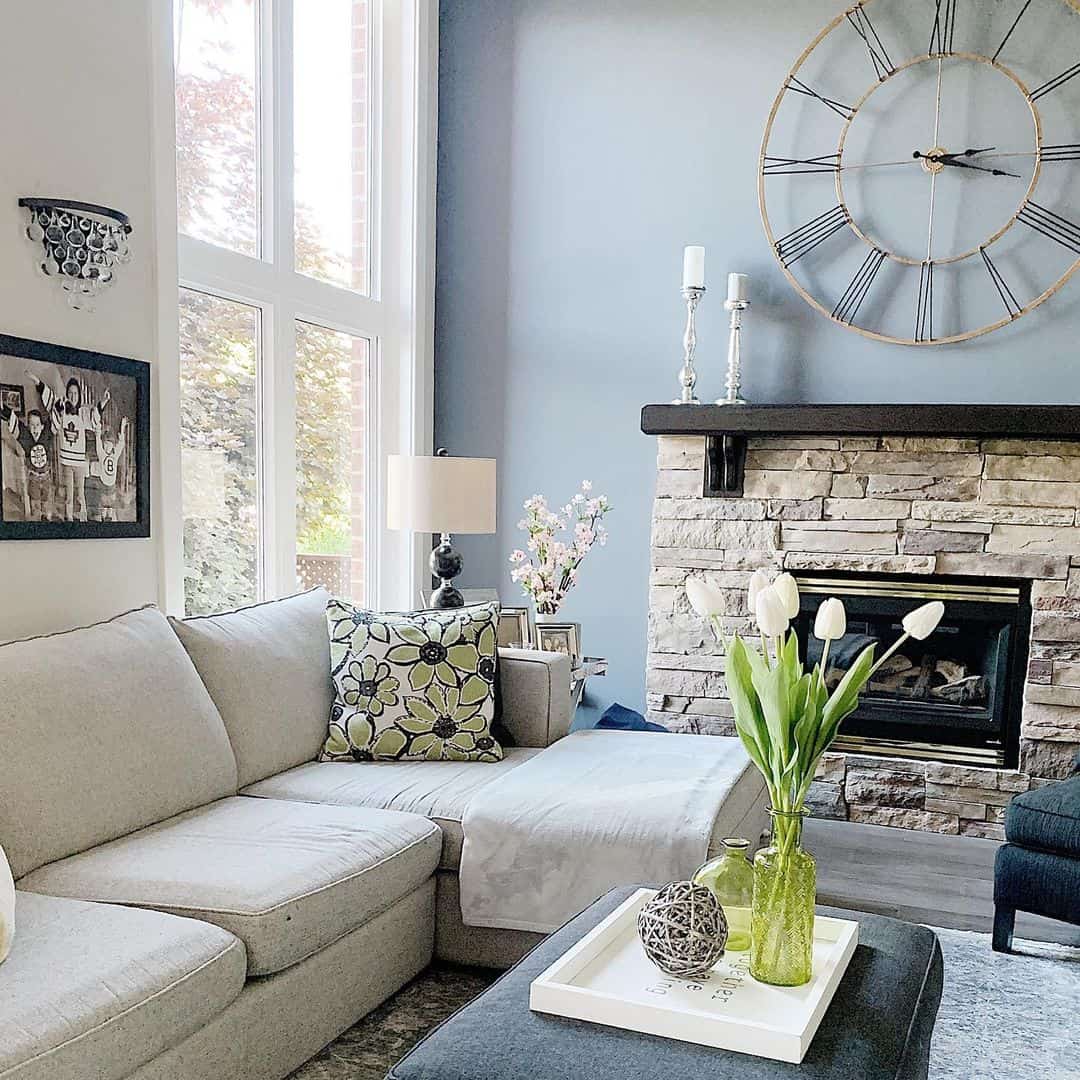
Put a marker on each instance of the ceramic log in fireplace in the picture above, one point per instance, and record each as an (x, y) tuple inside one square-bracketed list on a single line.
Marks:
[(955, 697)]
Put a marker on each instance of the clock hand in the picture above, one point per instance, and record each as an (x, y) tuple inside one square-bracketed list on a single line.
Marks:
[(980, 168), (951, 159)]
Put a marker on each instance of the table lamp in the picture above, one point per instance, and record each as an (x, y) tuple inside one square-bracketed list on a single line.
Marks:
[(444, 495)]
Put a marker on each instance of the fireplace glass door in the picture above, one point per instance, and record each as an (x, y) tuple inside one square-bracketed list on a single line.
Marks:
[(955, 696)]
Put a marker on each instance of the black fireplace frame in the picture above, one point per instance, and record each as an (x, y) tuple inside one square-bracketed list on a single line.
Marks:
[(971, 750)]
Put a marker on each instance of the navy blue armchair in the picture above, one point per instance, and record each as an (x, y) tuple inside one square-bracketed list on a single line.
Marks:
[(1038, 870)]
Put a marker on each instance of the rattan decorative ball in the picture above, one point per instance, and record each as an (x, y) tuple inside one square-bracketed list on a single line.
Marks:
[(683, 930)]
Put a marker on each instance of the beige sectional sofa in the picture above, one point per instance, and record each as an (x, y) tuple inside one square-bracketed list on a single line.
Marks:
[(169, 924), (197, 897)]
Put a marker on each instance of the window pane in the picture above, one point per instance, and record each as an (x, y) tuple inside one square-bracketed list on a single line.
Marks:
[(219, 350), (331, 425), (331, 96), (217, 122)]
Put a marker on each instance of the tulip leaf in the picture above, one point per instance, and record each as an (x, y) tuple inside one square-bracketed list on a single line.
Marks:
[(772, 692), (845, 697), (749, 723)]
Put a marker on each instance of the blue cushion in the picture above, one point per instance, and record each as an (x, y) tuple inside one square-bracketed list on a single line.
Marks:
[(620, 718), (1047, 818)]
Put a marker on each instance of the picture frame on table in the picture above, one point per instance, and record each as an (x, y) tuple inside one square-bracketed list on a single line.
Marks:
[(562, 638), (74, 443), (515, 628)]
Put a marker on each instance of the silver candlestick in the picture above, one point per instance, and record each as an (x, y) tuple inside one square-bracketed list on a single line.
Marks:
[(734, 353), (692, 294)]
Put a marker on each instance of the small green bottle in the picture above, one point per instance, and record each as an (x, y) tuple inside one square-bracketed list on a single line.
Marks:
[(730, 877)]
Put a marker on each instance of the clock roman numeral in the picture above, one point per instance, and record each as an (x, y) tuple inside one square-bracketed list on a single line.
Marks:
[(1054, 226), (797, 86), (1012, 305), (941, 37), (1015, 23), (774, 166), (924, 305), (879, 57), (848, 305), (801, 241), (1061, 152), (1053, 84)]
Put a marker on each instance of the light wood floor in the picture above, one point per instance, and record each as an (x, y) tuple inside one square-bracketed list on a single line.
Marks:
[(919, 877)]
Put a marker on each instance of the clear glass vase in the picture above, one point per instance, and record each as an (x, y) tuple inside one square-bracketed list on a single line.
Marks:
[(782, 919), (730, 878)]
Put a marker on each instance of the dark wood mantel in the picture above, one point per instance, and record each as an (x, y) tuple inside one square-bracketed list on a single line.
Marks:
[(727, 427), (964, 421)]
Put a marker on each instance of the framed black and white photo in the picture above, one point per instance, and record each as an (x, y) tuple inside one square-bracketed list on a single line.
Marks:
[(74, 443), (561, 638)]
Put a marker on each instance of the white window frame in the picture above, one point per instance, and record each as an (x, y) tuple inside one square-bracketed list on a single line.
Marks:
[(397, 317)]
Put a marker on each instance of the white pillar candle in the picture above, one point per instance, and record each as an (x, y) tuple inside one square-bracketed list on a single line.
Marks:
[(738, 287), (693, 268)]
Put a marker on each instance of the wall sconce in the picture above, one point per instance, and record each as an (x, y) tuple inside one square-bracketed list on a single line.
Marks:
[(82, 244)]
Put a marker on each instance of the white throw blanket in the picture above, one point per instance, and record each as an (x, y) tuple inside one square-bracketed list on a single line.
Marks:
[(7, 907), (596, 810)]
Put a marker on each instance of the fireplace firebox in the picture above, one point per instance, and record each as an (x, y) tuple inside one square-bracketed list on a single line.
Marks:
[(955, 697)]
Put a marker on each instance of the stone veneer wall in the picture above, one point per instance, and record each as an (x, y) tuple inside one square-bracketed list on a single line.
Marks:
[(885, 505)]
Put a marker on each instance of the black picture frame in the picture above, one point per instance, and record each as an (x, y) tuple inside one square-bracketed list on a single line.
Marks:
[(66, 357)]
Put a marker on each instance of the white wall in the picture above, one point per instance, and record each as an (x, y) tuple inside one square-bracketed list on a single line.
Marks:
[(76, 122)]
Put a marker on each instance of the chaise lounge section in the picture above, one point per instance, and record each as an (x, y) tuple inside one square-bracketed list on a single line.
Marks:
[(198, 897)]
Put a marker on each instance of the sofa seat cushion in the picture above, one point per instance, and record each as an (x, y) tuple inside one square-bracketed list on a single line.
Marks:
[(286, 878), (439, 790), (267, 660), (1047, 818), (95, 990)]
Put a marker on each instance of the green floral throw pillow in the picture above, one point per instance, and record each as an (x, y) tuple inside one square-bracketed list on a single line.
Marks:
[(418, 687)]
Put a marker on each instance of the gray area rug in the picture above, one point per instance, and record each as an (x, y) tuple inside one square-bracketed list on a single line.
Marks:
[(1007, 1017), (1002, 1017)]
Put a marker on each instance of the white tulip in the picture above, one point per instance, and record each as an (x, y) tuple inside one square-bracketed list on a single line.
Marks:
[(831, 621), (787, 588), (923, 621), (771, 613), (759, 580), (705, 598)]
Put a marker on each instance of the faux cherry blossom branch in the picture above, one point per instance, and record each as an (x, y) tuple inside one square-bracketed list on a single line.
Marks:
[(549, 568)]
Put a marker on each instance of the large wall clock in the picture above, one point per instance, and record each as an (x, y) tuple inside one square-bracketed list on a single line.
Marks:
[(919, 177)]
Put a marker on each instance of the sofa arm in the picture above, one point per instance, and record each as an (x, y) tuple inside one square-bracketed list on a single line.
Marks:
[(535, 695)]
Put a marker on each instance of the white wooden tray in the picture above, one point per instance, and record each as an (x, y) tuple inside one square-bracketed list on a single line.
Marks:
[(607, 979)]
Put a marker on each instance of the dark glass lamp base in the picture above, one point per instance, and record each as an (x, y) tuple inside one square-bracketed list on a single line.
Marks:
[(446, 564)]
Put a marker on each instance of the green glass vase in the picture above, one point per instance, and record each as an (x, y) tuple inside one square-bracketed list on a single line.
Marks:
[(782, 919), (730, 878)]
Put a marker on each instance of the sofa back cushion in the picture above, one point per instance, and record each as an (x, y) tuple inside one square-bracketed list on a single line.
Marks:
[(267, 667), (106, 729)]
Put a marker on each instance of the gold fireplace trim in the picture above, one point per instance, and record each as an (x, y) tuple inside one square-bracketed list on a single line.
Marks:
[(967, 755), (919, 590)]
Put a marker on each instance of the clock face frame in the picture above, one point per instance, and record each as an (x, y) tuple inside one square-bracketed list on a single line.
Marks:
[(1012, 293)]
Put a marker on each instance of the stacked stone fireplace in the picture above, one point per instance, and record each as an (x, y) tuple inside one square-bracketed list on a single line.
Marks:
[(916, 509)]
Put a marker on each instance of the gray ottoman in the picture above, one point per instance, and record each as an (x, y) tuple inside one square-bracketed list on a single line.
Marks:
[(877, 1028)]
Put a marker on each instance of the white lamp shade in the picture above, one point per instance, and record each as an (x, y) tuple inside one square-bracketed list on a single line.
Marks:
[(440, 494)]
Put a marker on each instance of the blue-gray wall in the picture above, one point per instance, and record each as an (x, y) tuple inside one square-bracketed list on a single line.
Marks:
[(582, 143)]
